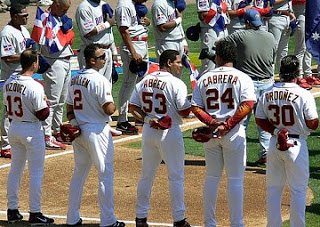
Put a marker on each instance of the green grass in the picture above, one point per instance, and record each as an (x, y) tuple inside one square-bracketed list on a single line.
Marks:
[(190, 18), (313, 211)]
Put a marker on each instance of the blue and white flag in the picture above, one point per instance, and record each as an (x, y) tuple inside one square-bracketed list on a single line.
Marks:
[(313, 28)]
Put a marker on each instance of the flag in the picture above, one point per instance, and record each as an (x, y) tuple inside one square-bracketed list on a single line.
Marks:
[(312, 28), (193, 72), (218, 22), (46, 31)]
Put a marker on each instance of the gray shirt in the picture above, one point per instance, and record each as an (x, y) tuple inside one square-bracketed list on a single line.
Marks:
[(256, 52)]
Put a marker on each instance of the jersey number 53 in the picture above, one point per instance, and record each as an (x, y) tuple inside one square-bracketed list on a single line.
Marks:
[(156, 101)]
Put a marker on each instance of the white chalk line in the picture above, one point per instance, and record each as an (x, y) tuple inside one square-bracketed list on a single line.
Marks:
[(115, 141), (129, 138)]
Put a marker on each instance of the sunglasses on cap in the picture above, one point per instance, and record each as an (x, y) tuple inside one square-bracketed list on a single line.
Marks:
[(101, 57), (23, 14)]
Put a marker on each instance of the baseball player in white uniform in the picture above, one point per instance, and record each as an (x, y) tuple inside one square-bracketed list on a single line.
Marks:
[(134, 47), (213, 32), (26, 106), (96, 27), (89, 106), (306, 79), (56, 80), (222, 99), (287, 111), (237, 8), (12, 42), (278, 25), (160, 94), (168, 30)]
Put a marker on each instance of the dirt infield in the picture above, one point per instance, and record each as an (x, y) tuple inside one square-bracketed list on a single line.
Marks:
[(59, 166), (58, 171)]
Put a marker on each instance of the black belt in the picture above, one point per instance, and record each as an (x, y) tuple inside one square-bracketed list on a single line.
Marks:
[(259, 78), (295, 136)]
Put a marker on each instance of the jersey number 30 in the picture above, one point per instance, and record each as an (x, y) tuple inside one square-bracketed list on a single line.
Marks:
[(282, 115)]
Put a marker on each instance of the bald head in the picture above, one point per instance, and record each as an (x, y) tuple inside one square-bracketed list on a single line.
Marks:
[(60, 7)]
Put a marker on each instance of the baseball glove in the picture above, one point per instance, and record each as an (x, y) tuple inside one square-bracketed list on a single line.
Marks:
[(282, 140), (202, 134), (69, 132), (163, 123)]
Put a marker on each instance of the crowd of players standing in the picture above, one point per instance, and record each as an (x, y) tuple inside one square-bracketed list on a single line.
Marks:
[(249, 23)]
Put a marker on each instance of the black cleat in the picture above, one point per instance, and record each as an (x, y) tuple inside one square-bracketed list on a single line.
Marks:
[(117, 224), (77, 224), (141, 222), (14, 216), (126, 128), (38, 219), (261, 162), (182, 223)]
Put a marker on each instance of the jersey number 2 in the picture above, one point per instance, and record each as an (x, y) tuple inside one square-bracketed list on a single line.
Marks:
[(77, 100), (18, 104)]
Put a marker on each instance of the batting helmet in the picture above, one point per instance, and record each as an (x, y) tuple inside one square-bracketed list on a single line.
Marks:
[(202, 134), (193, 32)]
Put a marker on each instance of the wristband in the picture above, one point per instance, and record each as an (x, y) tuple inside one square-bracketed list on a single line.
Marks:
[(74, 122), (241, 12), (178, 21), (147, 119), (184, 42), (103, 26)]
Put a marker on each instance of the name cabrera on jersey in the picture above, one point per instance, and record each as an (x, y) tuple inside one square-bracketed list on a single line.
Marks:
[(126, 16), (286, 105), (220, 91), (88, 16), (164, 11), (88, 92), (160, 94), (12, 41), (23, 97)]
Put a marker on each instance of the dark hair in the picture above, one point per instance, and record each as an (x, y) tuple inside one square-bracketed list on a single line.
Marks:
[(226, 50), (90, 51), (16, 8), (27, 58), (167, 55), (289, 68)]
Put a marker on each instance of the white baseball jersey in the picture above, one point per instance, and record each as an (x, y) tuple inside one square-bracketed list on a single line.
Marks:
[(126, 16), (286, 5), (12, 41), (88, 16), (23, 97), (162, 12), (220, 91), (287, 105), (88, 92), (159, 94)]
